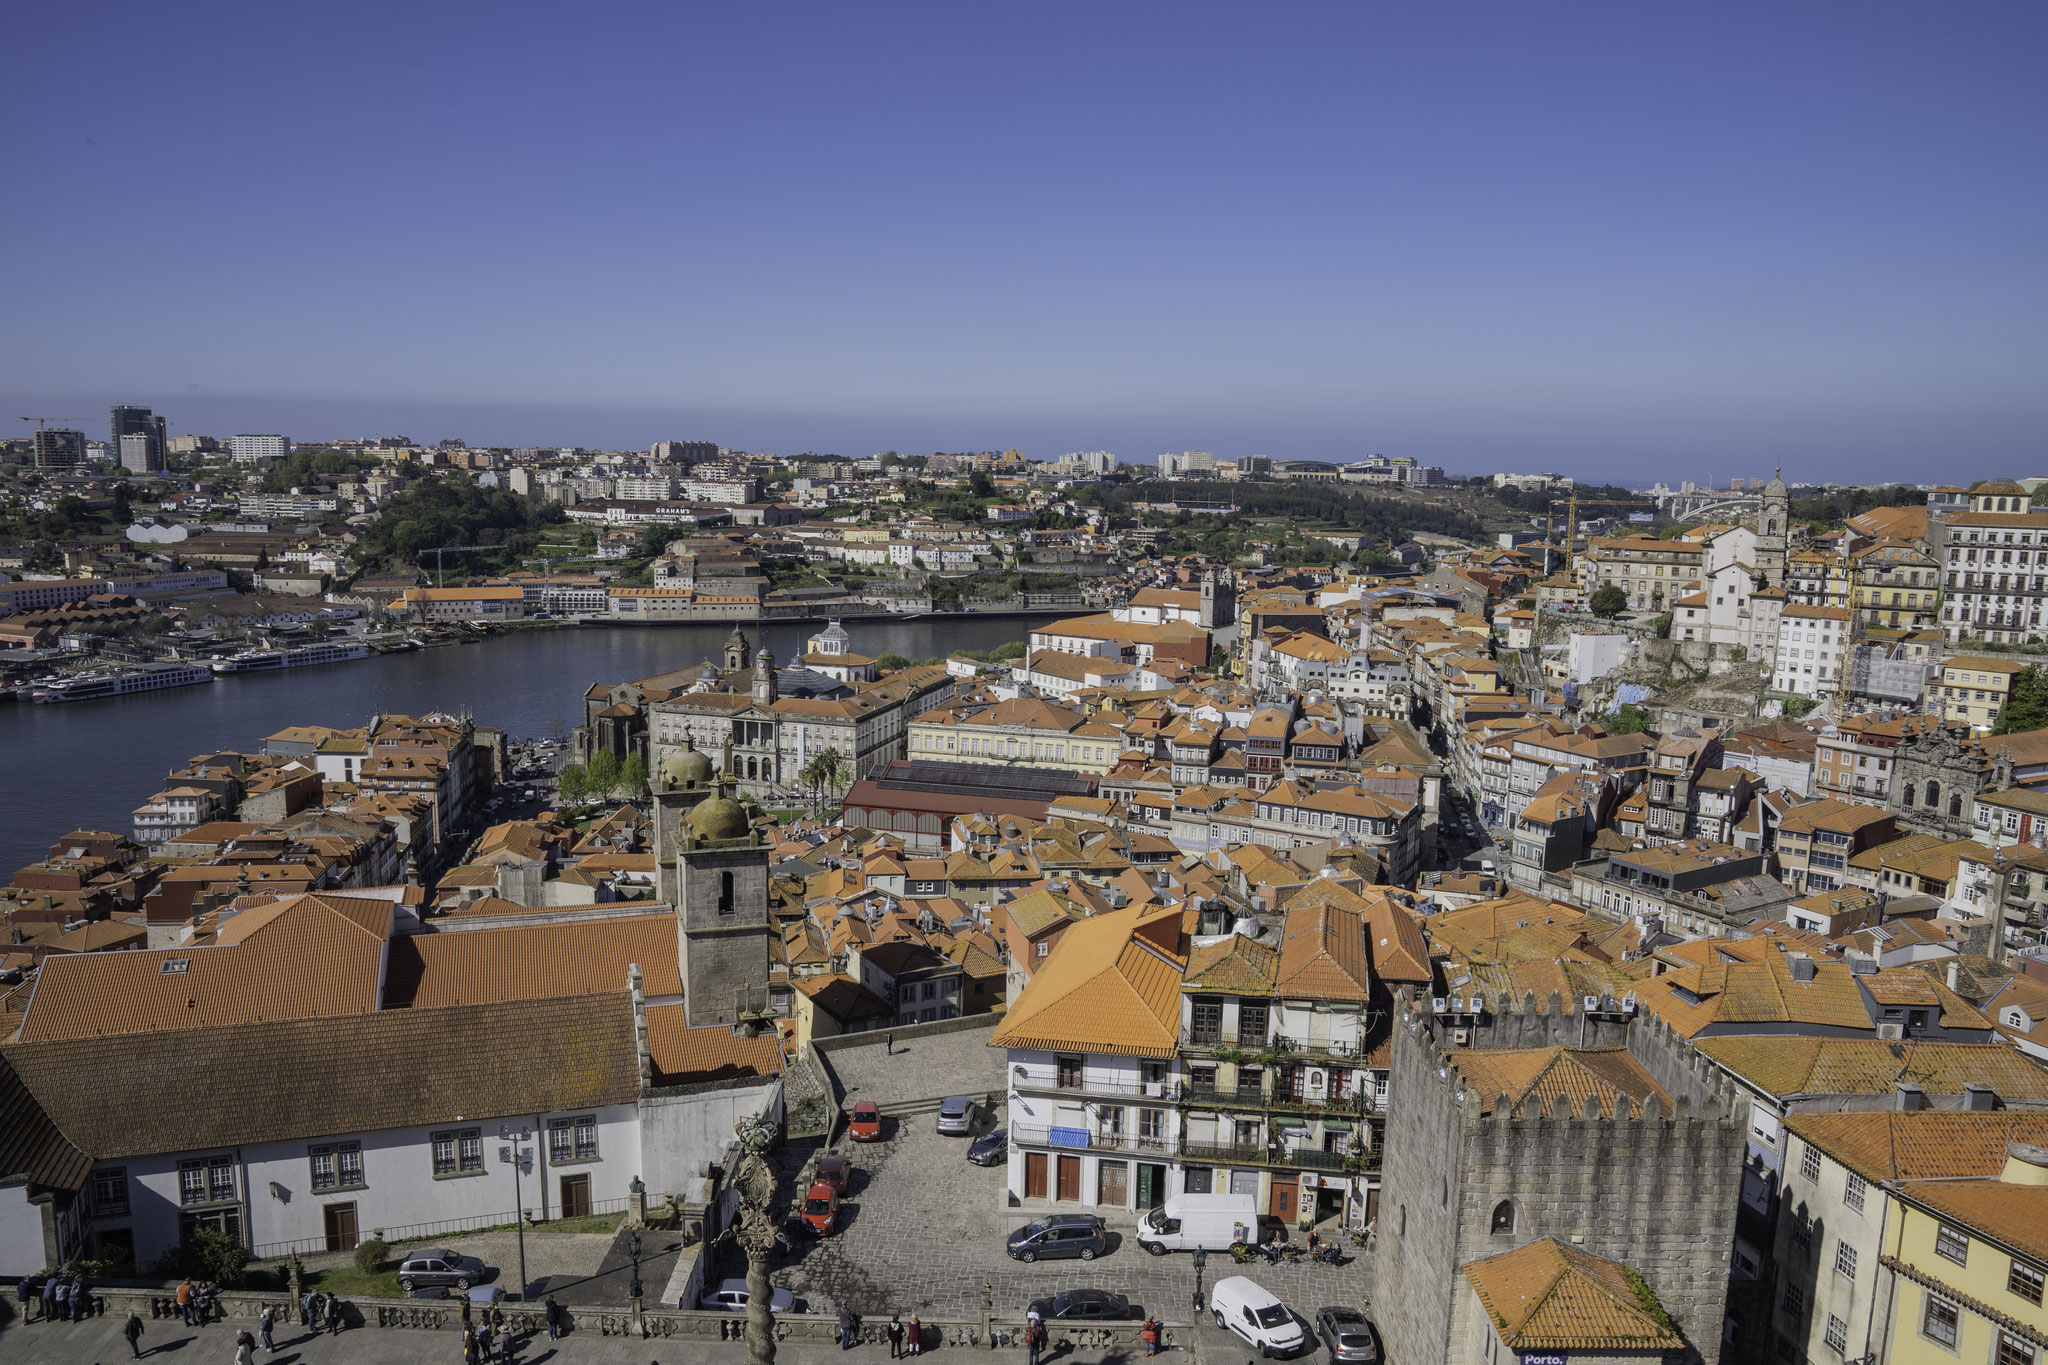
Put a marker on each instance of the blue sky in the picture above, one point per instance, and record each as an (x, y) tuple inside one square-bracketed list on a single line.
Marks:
[(1624, 240)]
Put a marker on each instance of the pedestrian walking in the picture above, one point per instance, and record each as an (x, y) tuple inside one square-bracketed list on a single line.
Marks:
[(63, 1298), (554, 1317), (81, 1297), (483, 1341), (319, 1319), (244, 1353), (895, 1336), (267, 1323), (913, 1335), (1034, 1337), (132, 1329), (1149, 1334), (49, 1295), (306, 1309), (889, 1043), (467, 1312), (25, 1297), (845, 1328), (334, 1307), (468, 1344)]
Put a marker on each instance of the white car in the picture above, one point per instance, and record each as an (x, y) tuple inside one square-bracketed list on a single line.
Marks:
[(1242, 1306), (731, 1296)]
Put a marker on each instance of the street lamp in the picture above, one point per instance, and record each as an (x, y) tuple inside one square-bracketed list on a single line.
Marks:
[(516, 1156)]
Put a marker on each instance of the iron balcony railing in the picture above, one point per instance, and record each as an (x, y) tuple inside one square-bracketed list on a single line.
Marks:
[(1252, 1097), (1087, 1139), (1085, 1084), (1299, 1158)]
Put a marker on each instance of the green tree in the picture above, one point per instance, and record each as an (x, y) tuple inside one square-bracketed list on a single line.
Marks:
[(604, 774), (2026, 706), (889, 663), (1609, 600), (1629, 720), (573, 783), (633, 778), (980, 484), (825, 772), (1003, 653)]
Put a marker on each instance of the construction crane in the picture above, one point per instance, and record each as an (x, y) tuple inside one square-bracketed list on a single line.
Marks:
[(440, 580), (42, 422), (547, 579)]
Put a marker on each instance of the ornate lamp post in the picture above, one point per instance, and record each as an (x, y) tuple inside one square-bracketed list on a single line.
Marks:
[(517, 1156)]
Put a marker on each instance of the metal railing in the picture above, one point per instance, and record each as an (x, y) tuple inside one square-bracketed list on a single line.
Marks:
[(304, 1246), (1085, 1084), (1255, 1154), (1087, 1139)]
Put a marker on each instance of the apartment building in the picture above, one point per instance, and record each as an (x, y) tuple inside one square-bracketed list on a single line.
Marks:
[(1812, 651), (1973, 689), (1817, 840), (1652, 572), (1994, 565), (1855, 759)]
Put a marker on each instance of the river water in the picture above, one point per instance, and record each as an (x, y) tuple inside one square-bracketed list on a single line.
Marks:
[(88, 765)]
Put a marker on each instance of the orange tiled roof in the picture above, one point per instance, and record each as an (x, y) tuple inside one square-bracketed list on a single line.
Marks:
[(533, 962), (691, 1056), (1923, 1144), (1547, 1296), (1608, 1076), (1108, 987)]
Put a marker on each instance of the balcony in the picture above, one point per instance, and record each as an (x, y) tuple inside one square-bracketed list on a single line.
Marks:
[(1254, 1097), (1085, 1084), (1297, 1158), (1088, 1139)]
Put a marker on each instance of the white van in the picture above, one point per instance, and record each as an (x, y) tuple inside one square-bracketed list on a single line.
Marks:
[(1241, 1306), (1210, 1222)]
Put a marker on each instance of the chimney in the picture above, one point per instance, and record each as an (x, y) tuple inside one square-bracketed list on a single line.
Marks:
[(1979, 1098), (640, 1047), (1802, 966), (1955, 972), (1911, 1097)]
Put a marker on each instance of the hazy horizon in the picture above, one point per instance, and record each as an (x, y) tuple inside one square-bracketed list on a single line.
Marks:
[(1621, 242)]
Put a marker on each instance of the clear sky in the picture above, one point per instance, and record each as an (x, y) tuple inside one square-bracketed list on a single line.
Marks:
[(1629, 240)]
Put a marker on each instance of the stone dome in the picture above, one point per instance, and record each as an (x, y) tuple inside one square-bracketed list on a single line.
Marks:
[(687, 767), (719, 818)]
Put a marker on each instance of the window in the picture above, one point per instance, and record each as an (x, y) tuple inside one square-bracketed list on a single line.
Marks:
[(1939, 1321), (1809, 1164), (1802, 1232), (209, 1180), (1952, 1244), (1852, 1193), (2013, 1351), (1067, 1072), (573, 1139), (1845, 1260), (2023, 1280), (336, 1165), (1503, 1216), (459, 1151), (1044, 947), (1794, 1302), (1838, 1333), (110, 1197), (1200, 1179)]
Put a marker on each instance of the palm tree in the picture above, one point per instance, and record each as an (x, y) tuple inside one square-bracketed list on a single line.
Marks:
[(824, 772)]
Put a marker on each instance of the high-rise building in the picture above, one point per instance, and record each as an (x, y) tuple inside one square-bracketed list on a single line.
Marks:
[(57, 448), (258, 450), (126, 419), (141, 453)]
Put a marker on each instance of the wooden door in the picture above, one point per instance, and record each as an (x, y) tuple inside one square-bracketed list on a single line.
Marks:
[(1069, 1178), (1034, 1175), (341, 1226), (1114, 1188), (1286, 1192), (1151, 1185), (575, 1196)]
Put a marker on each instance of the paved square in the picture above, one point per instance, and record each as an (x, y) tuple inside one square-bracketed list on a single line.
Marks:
[(923, 1230)]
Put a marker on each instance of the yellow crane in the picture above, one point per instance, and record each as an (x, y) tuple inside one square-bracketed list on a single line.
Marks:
[(1571, 527)]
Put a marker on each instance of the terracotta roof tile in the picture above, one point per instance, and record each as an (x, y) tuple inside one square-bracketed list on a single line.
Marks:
[(533, 961), (1547, 1296), (691, 1056), (1852, 1066), (1609, 1076), (1923, 1144), (1106, 988)]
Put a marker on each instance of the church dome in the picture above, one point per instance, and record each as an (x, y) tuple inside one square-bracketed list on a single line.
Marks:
[(719, 818), (689, 766)]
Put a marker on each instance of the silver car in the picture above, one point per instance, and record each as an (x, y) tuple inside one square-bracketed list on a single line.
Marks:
[(956, 1116)]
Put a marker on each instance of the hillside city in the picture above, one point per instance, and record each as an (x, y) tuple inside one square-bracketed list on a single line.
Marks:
[(1511, 918)]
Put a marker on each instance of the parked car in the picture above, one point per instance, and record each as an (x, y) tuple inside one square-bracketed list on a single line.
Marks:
[(864, 1124), (956, 1115), (821, 1207), (990, 1149), (1349, 1334), (832, 1170), (444, 1269), (1057, 1235), (1082, 1305), (1242, 1306), (731, 1297)]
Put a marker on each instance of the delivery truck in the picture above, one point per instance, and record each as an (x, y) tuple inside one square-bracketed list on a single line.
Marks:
[(1211, 1222)]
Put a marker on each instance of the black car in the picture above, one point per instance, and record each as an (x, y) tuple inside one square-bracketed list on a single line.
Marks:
[(990, 1149), (1082, 1305), (1349, 1334)]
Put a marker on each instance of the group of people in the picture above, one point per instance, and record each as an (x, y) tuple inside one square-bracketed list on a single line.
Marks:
[(1036, 1337), (905, 1338), (64, 1296)]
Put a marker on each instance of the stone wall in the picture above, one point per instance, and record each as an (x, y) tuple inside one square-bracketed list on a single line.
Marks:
[(156, 1305), (1656, 1191)]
